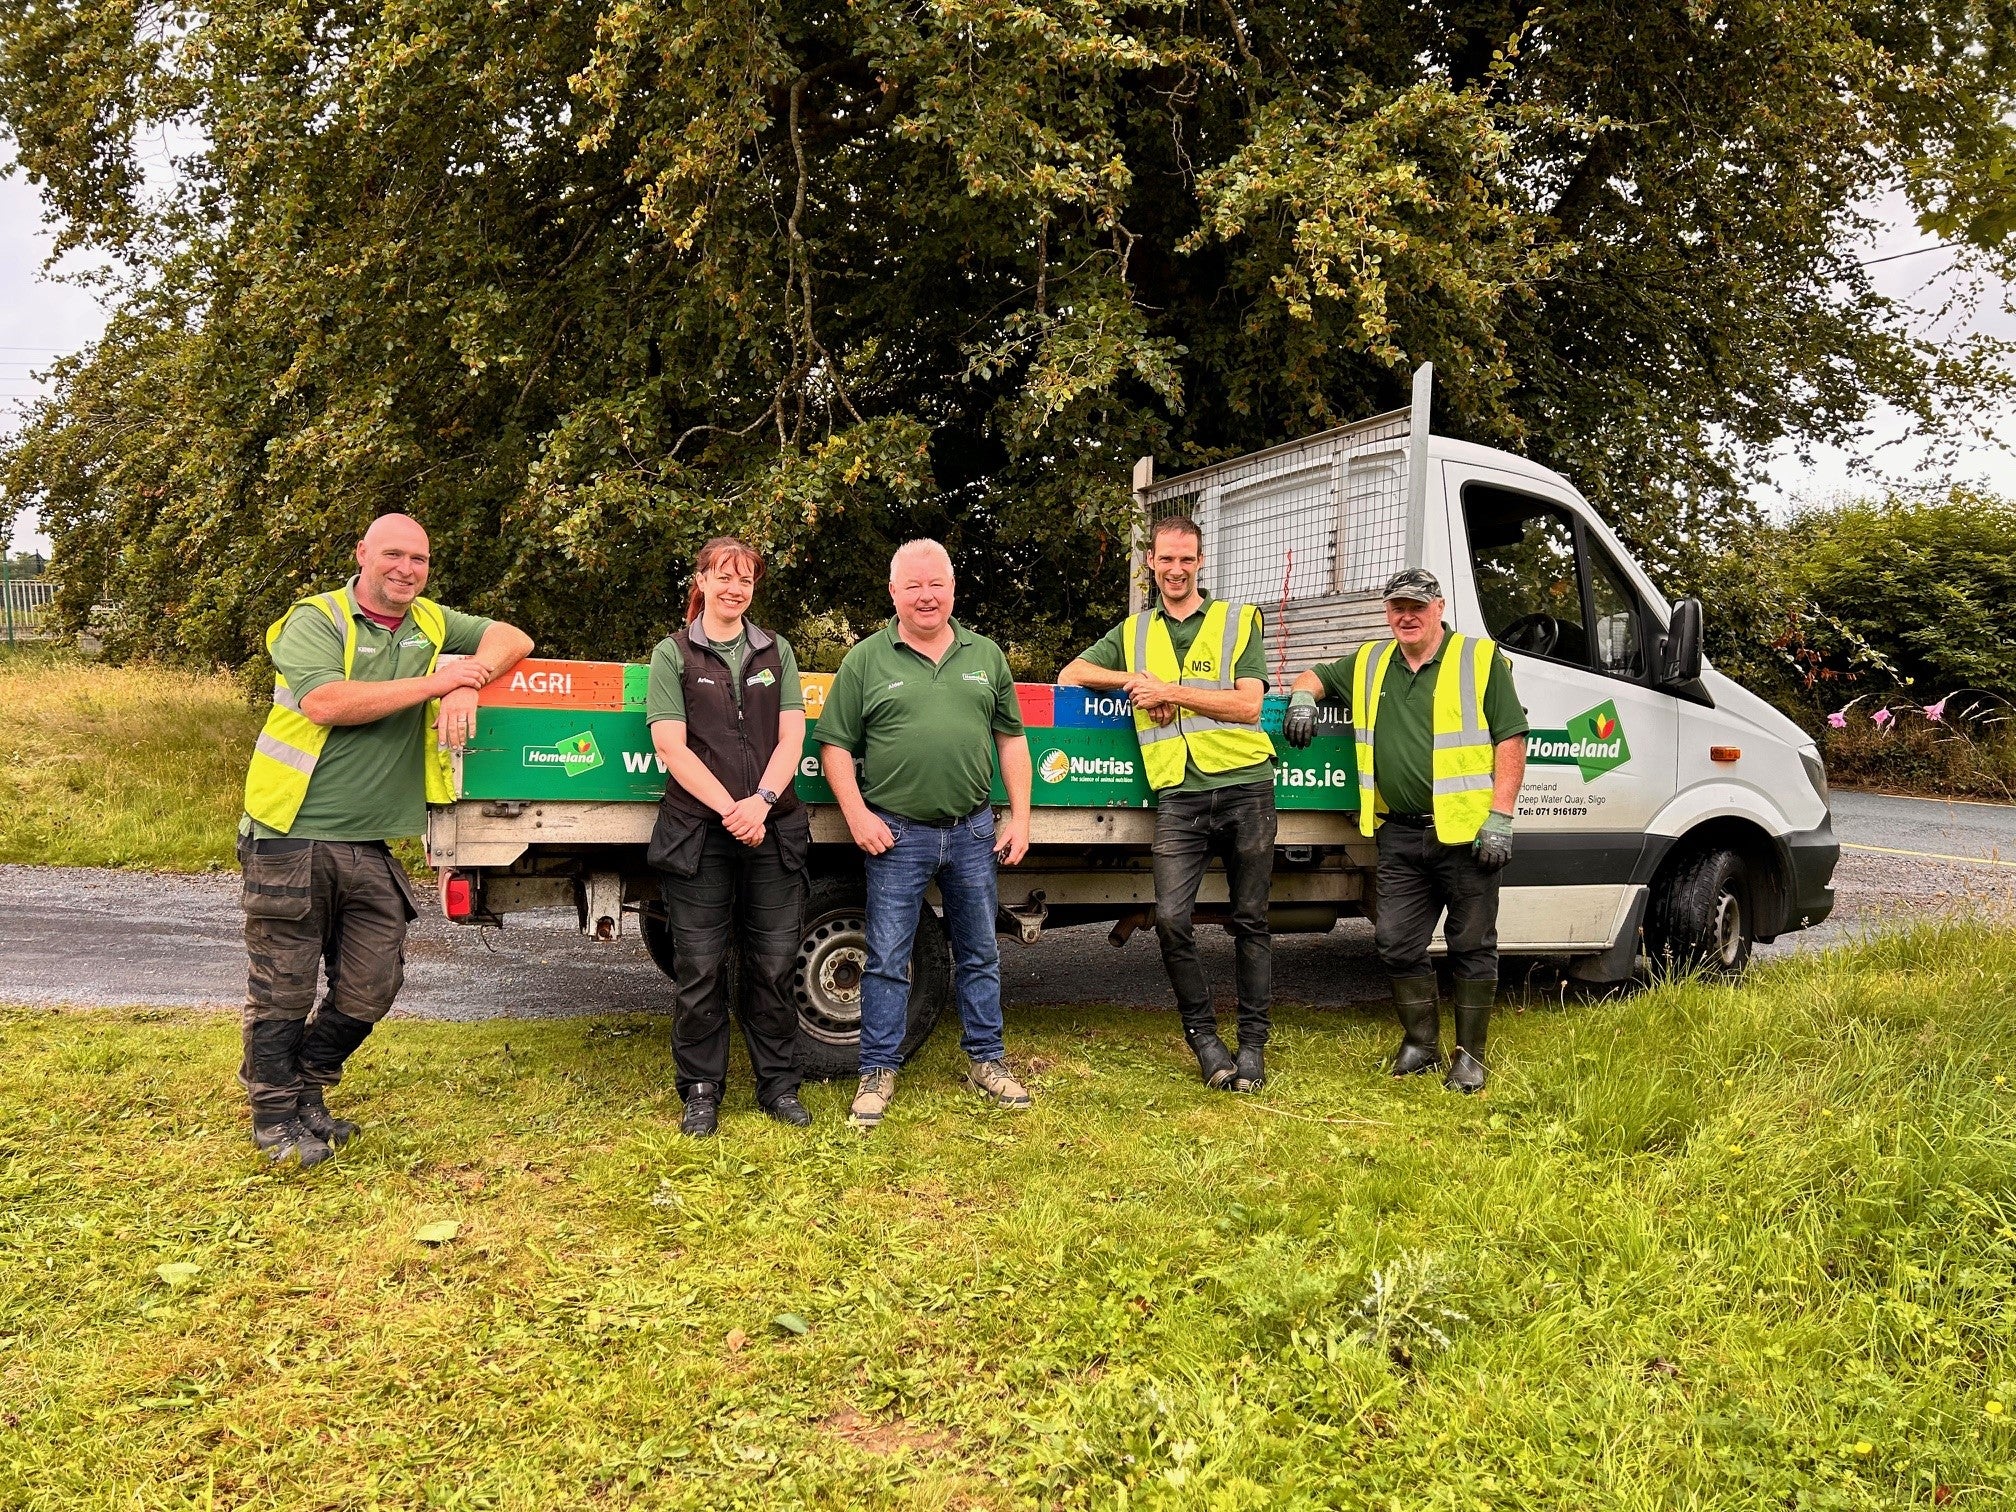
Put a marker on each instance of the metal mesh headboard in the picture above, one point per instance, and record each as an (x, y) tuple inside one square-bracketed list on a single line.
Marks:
[(1337, 502), (1309, 532)]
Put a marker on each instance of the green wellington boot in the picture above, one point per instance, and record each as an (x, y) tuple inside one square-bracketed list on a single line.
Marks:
[(1420, 1026), (1473, 1021)]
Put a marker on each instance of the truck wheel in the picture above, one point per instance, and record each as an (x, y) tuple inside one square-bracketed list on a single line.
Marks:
[(831, 959), (1703, 920)]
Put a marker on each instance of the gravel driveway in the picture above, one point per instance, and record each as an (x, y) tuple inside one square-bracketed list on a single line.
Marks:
[(83, 936)]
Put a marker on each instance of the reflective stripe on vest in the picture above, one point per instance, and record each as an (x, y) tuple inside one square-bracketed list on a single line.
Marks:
[(1462, 754), (1215, 745), (285, 754)]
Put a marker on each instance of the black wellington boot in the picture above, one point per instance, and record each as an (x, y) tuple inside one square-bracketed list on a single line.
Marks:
[(1420, 1026), (1214, 1061), (1473, 1020)]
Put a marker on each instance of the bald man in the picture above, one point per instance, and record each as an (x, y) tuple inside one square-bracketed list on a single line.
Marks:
[(374, 684)]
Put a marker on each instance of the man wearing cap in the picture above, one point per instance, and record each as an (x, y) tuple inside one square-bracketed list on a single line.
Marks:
[(1195, 669), (355, 747), (1450, 735)]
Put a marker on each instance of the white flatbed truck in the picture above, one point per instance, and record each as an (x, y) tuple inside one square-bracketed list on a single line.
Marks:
[(1667, 811)]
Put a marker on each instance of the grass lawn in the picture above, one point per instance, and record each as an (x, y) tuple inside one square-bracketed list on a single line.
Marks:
[(1705, 1247), (119, 766)]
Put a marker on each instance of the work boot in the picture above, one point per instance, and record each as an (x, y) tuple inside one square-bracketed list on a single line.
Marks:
[(992, 1080), (289, 1139), (1214, 1061), (333, 1131), (1473, 1018), (872, 1098), (703, 1110), (1420, 1026), (1252, 1065), (788, 1110)]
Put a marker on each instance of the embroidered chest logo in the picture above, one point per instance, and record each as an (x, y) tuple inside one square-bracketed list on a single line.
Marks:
[(975, 677), (762, 679)]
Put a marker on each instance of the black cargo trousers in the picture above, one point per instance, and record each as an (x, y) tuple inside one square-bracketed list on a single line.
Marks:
[(1418, 878), (750, 898), (340, 907), (1237, 824)]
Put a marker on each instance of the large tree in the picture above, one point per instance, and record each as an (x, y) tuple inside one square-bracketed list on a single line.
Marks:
[(581, 282)]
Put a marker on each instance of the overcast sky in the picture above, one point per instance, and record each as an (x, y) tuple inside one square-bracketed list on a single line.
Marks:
[(40, 320)]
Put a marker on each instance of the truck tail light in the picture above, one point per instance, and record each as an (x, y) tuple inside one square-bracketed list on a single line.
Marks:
[(458, 897), (1725, 753)]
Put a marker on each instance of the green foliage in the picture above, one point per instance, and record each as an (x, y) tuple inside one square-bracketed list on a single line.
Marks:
[(1706, 1247), (583, 284), (1870, 600)]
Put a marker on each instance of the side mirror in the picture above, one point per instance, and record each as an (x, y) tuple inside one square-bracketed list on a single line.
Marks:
[(1680, 657)]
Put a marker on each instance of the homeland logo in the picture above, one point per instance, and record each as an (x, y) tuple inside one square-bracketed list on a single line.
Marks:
[(1594, 742), (574, 755)]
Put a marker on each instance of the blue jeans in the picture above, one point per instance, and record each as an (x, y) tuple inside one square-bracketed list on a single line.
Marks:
[(960, 859)]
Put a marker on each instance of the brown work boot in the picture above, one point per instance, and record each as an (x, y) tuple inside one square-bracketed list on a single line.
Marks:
[(871, 1101), (992, 1081)]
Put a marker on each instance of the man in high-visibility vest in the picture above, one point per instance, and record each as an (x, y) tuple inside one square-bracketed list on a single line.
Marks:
[(354, 749), (1441, 740), (1195, 670)]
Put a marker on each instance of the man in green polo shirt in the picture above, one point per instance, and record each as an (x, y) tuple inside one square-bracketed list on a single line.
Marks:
[(1450, 756), (1195, 670), (928, 706), (348, 760)]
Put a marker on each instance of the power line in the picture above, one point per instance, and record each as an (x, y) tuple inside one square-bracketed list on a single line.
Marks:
[(1914, 252)]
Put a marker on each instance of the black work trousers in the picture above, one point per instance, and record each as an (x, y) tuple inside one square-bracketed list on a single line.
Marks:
[(1419, 877), (749, 897), (337, 909), (1238, 825)]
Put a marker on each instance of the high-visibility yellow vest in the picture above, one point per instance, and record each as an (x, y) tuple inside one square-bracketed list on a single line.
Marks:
[(284, 757), (1215, 745), (1463, 751)]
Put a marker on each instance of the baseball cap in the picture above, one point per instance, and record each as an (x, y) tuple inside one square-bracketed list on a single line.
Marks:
[(1416, 583)]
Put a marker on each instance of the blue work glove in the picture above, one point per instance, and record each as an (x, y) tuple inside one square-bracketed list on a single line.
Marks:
[(1298, 725), (1493, 845)]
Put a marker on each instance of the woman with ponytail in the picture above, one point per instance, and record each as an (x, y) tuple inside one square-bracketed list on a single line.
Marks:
[(731, 843)]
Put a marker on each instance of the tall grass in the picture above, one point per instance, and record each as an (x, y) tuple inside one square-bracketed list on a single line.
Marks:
[(119, 766), (1706, 1247)]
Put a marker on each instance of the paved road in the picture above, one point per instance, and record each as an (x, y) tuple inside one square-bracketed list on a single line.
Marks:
[(105, 937)]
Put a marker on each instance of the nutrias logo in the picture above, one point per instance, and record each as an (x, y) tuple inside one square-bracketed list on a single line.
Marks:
[(1594, 741), (574, 755), (1054, 766)]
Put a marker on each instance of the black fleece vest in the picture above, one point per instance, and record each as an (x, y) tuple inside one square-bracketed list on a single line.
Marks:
[(734, 743)]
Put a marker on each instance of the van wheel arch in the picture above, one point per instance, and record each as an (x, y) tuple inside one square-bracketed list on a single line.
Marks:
[(1726, 873)]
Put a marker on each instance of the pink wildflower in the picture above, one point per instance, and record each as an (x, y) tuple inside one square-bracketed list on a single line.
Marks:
[(1881, 718), (1936, 712), (1838, 720)]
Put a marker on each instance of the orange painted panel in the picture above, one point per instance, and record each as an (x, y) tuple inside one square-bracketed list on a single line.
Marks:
[(537, 684)]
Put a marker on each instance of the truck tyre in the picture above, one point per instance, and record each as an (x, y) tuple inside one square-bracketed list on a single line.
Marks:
[(1703, 919), (827, 984)]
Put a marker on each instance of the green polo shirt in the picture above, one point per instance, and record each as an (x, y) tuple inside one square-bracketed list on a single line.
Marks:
[(665, 693), (1406, 764), (1110, 652), (371, 780), (926, 731)]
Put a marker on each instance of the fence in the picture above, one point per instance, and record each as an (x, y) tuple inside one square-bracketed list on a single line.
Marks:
[(25, 605)]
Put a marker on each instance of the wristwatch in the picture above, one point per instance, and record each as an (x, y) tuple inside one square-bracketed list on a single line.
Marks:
[(767, 796)]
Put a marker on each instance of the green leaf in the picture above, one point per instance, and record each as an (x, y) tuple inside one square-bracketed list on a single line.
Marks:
[(791, 1323), (437, 1233), (178, 1273)]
